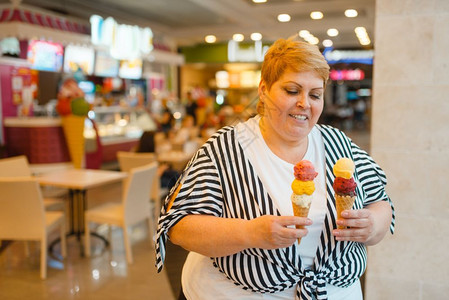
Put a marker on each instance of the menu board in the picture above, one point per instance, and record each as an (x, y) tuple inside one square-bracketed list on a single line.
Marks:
[(105, 65), (79, 58), (45, 56), (130, 69)]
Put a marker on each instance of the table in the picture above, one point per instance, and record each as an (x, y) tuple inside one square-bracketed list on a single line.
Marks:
[(178, 159), (78, 181)]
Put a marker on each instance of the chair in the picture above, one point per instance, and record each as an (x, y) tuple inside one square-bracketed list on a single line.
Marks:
[(133, 209), (18, 166), (130, 160), (22, 216)]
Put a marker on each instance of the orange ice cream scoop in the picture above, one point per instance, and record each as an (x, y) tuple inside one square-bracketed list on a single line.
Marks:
[(344, 168), (304, 171), (303, 187)]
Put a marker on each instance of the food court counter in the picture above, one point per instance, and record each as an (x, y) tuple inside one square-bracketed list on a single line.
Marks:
[(42, 140)]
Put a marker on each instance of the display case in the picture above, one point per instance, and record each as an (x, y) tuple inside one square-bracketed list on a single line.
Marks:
[(106, 131), (41, 139), (115, 129)]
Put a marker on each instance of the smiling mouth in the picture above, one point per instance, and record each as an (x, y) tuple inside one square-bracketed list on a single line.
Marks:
[(299, 117)]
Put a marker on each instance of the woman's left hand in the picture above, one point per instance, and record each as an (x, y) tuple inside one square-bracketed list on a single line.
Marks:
[(359, 226), (368, 225)]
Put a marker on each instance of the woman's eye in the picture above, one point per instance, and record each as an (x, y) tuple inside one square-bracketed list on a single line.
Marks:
[(292, 92), (317, 97)]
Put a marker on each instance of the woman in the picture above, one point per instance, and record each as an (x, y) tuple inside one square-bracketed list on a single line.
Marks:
[(166, 121), (232, 206)]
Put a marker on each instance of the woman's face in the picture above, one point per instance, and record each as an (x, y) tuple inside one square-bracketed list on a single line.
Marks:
[(293, 105)]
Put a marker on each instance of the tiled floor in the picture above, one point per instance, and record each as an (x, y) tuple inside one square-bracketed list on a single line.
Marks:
[(105, 275)]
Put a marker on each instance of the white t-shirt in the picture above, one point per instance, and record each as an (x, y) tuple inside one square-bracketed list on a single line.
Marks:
[(201, 280)]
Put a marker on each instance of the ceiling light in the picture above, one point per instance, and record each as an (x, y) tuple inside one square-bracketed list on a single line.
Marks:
[(210, 39), (316, 15), (307, 36), (238, 37), (284, 18), (304, 33), (332, 32), (259, 1), (362, 35), (365, 42), (351, 13), (327, 43), (360, 31), (314, 41), (255, 36)]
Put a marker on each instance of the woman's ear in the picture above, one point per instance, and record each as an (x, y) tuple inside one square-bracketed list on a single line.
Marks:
[(262, 90), (260, 104)]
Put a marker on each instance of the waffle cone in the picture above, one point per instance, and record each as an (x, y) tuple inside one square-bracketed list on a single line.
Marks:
[(343, 203), (73, 127), (300, 211)]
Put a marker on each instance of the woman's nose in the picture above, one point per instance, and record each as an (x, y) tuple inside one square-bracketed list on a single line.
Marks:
[(302, 101)]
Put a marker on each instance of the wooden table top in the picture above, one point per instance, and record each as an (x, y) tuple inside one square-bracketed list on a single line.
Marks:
[(80, 178)]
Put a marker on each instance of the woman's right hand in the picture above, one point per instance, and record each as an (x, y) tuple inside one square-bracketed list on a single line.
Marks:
[(272, 232), (216, 236)]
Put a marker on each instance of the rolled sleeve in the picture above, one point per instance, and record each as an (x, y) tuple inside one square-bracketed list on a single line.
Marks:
[(198, 191)]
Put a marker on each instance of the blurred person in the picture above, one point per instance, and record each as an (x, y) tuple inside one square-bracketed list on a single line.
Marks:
[(187, 131), (344, 115), (210, 125), (359, 113), (166, 121), (191, 106), (226, 115)]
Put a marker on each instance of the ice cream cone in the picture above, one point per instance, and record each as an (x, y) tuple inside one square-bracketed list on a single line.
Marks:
[(342, 203), (73, 127), (300, 211), (303, 188)]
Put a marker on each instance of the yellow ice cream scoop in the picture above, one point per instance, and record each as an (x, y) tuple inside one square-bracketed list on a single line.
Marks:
[(303, 187), (344, 168)]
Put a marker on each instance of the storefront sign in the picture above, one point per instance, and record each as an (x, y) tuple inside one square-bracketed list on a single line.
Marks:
[(124, 41), (45, 56), (349, 56), (356, 74), (253, 53), (79, 59)]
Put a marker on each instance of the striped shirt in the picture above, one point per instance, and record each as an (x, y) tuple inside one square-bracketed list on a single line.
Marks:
[(220, 181)]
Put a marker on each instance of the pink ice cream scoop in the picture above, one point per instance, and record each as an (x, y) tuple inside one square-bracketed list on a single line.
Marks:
[(305, 171)]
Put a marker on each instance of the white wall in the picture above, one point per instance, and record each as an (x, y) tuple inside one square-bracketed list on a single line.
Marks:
[(410, 140)]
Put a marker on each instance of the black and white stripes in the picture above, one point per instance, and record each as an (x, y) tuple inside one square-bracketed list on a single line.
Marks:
[(220, 181)]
